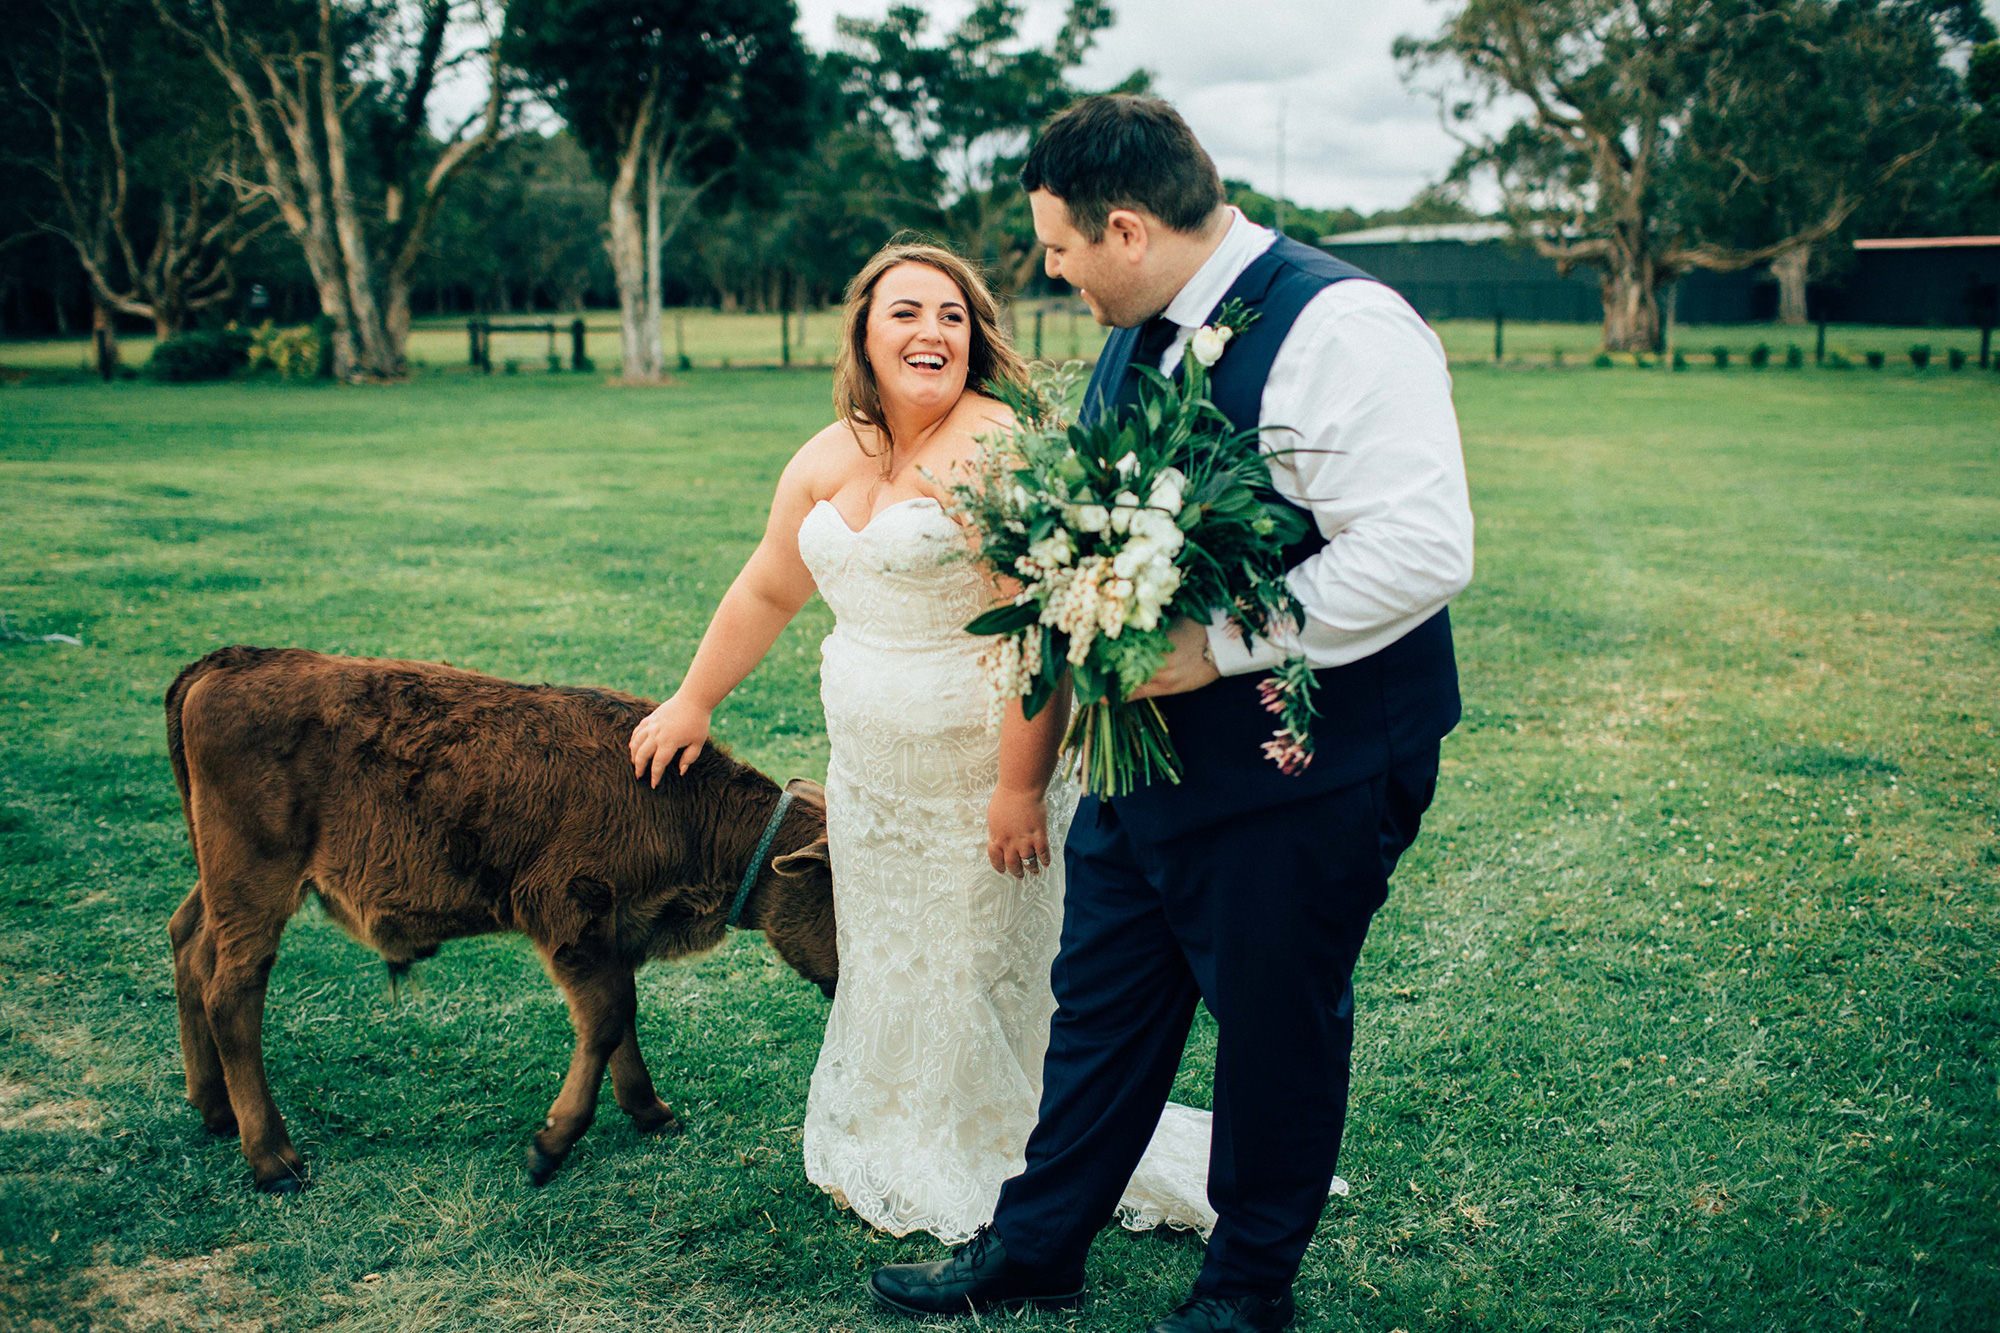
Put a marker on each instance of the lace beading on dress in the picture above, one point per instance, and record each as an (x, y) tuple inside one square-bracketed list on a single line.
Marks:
[(930, 1077)]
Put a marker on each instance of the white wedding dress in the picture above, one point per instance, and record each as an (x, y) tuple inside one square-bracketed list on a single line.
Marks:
[(931, 1073)]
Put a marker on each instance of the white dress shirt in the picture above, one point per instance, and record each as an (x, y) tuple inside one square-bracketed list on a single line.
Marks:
[(1361, 383)]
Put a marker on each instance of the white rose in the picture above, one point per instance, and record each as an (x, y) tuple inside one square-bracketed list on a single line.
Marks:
[(1167, 491), (1093, 518), (1128, 465), (1020, 497), (1124, 506), (1208, 342)]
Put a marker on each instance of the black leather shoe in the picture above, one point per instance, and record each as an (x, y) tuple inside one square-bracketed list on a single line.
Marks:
[(1229, 1314), (977, 1276)]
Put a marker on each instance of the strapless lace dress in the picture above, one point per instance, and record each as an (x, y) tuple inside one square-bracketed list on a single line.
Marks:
[(931, 1073)]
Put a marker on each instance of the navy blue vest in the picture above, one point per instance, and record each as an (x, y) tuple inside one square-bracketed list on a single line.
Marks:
[(1375, 713)]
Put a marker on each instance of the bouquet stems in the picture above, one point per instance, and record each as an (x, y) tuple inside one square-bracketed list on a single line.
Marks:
[(1119, 746)]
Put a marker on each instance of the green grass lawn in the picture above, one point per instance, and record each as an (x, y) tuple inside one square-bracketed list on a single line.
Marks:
[(1684, 1012)]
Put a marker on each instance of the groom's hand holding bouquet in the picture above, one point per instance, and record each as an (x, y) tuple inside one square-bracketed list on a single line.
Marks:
[(1127, 538)]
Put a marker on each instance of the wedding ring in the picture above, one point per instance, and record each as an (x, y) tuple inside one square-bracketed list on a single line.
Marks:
[(1031, 860)]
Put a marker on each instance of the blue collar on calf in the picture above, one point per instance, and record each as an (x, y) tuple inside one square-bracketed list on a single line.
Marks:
[(757, 859)]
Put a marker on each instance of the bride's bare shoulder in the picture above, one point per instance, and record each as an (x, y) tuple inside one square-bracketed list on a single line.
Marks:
[(982, 413)]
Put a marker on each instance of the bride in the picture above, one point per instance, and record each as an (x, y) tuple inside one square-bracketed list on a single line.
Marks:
[(948, 905)]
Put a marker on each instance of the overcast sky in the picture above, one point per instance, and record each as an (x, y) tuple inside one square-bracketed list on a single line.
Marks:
[(1354, 135)]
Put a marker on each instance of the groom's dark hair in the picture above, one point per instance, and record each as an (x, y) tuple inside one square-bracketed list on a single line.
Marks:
[(1122, 150)]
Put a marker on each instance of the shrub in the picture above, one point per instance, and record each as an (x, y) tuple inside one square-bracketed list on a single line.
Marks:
[(1603, 361), (1838, 361), (1875, 360), (1680, 359), (205, 354), (1760, 356), (294, 353), (1556, 357), (1795, 357), (1920, 356), (1956, 358), (1721, 355)]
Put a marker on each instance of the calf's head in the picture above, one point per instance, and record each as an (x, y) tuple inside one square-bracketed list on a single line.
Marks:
[(797, 918)]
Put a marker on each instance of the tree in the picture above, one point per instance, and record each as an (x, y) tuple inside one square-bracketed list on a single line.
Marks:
[(665, 95), (1627, 105), (1809, 111), (1982, 127), (136, 156), (961, 113), (336, 100)]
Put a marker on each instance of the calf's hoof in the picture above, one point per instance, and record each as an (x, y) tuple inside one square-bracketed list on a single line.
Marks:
[(220, 1123), (658, 1118), (289, 1183), (541, 1165)]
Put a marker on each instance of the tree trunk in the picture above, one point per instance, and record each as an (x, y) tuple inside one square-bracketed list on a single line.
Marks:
[(103, 340), (1790, 270), (1631, 306), (627, 245)]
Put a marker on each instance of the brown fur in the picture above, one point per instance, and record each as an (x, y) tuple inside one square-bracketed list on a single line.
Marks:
[(421, 803)]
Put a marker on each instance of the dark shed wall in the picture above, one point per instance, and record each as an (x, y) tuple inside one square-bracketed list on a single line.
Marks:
[(1456, 280)]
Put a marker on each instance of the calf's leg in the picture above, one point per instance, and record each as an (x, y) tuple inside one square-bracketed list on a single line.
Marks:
[(244, 919), (632, 1084), (602, 1006), (194, 960)]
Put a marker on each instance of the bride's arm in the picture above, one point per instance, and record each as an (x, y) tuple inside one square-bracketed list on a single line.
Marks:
[(1017, 819), (765, 596)]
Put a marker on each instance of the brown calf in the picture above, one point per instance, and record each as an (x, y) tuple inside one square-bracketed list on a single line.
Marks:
[(421, 803)]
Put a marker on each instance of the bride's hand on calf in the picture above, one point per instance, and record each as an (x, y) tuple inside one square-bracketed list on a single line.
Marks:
[(675, 728), (1017, 831)]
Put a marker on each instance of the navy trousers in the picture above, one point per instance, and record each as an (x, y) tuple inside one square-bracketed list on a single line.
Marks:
[(1261, 918)]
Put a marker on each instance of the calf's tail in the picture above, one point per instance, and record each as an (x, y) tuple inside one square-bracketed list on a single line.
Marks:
[(220, 659)]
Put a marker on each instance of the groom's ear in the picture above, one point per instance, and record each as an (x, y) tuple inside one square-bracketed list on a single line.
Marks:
[(1129, 232)]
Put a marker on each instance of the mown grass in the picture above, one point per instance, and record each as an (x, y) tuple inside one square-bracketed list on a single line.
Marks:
[(1682, 1014)]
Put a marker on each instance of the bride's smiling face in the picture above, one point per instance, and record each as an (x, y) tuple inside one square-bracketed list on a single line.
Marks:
[(919, 337)]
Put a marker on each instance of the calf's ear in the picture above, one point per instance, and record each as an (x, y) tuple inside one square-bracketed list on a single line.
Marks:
[(804, 861), (810, 790)]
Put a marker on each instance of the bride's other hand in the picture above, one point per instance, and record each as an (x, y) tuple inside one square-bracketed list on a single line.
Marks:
[(1017, 831), (674, 728)]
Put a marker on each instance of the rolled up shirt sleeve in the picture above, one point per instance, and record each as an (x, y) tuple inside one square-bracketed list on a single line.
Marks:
[(1359, 426)]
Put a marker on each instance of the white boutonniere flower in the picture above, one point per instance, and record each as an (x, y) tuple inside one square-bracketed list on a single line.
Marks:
[(1208, 342)]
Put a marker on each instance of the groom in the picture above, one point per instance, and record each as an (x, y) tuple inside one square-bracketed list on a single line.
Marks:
[(1241, 886)]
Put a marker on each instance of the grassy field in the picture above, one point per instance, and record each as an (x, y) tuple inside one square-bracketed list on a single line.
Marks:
[(714, 340), (1684, 1012)]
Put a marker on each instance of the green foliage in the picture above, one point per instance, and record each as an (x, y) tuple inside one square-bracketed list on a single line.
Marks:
[(205, 354), (1795, 357), (294, 353), (1920, 356), (1875, 360), (1956, 357), (1720, 355), (958, 113), (1760, 356), (1602, 361)]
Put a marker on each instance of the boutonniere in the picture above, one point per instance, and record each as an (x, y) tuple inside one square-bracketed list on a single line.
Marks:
[(1210, 339)]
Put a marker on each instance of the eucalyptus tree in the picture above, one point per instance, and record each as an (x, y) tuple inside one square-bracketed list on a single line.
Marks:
[(960, 112), (337, 99), (1650, 137), (131, 145), (667, 96)]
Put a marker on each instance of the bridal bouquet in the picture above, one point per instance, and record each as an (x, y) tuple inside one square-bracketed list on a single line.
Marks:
[(1110, 531)]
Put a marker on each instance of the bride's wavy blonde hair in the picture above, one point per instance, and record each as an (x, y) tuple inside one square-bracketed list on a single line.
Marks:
[(992, 359)]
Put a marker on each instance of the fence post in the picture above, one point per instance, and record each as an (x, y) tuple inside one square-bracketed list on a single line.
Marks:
[(1499, 334), (1985, 345), (680, 339), (577, 359), (1819, 345), (1038, 332), (1669, 344)]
